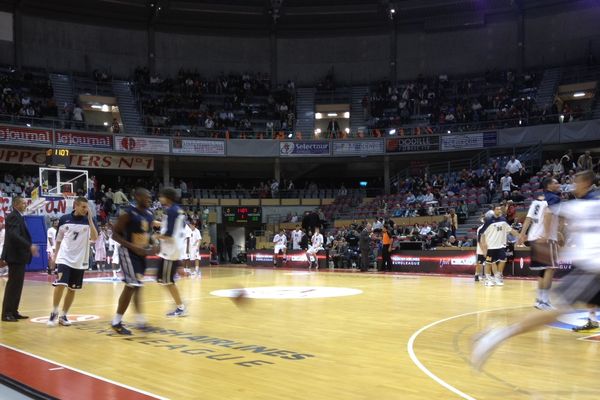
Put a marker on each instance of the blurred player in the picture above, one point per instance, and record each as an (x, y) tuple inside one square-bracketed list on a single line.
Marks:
[(172, 246), (581, 285), (493, 238), (51, 245), (297, 238), (133, 233), (315, 246), (3, 268), (280, 241), (541, 230), (195, 239), (113, 256), (186, 260), (480, 256), (75, 231), (100, 249)]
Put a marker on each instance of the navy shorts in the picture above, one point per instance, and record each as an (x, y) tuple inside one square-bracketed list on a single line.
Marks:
[(480, 259), (578, 286), (166, 272), (496, 255), (69, 277), (133, 267)]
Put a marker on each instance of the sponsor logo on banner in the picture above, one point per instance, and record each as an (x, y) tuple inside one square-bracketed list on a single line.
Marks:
[(138, 144), (101, 161), (29, 136), (357, 147), (288, 292), (411, 144), (84, 139), (199, 147), (468, 141), (299, 149)]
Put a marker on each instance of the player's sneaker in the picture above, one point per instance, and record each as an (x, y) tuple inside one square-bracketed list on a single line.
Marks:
[(589, 325), (484, 345), (53, 320), (476, 278), (499, 280), (120, 329), (64, 321), (489, 282), (178, 312)]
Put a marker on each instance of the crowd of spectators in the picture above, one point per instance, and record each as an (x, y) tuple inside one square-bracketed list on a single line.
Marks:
[(191, 104), (26, 95)]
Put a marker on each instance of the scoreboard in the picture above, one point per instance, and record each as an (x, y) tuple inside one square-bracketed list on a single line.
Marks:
[(242, 215)]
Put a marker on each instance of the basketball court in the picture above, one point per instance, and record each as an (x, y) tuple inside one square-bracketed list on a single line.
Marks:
[(319, 335)]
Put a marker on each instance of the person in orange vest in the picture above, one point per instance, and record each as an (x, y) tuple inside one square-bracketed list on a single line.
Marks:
[(386, 249)]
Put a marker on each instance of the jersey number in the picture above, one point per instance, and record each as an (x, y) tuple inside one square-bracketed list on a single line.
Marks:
[(75, 234)]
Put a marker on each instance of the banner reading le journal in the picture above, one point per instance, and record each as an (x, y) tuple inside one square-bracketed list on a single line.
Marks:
[(304, 149), (197, 147), (29, 136), (468, 141), (86, 140), (358, 147), (137, 144)]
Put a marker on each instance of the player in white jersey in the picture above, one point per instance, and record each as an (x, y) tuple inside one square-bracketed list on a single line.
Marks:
[(541, 231), (280, 241), (480, 261), (297, 238), (493, 238), (172, 246), (195, 239), (581, 285), (186, 260), (100, 250), (75, 231), (51, 245), (315, 246), (3, 269), (113, 259)]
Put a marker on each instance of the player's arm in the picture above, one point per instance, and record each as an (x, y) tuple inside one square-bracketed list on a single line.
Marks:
[(119, 236), (171, 218), (523, 234), (93, 230), (60, 233), (482, 244)]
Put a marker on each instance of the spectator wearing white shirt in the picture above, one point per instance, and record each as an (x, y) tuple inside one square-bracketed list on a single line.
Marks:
[(513, 165), (506, 183)]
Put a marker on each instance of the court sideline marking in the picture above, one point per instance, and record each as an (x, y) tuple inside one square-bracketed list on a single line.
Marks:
[(411, 352)]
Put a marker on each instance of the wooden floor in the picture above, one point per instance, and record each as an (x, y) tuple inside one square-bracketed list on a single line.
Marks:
[(403, 337)]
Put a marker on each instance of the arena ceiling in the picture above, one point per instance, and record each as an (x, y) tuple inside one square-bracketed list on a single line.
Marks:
[(260, 17)]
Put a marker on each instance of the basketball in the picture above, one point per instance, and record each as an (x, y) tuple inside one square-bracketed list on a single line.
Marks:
[(240, 298)]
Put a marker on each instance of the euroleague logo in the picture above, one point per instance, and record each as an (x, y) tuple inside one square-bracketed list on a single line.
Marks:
[(288, 292), (128, 143), (72, 318)]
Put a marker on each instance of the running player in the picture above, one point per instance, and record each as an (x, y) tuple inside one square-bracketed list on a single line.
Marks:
[(541, 230), (493, 237), (314, 248), (172, 246), (297, 238), (133, 233), (51, 245), (280, 241), (581, 285), (195, 239), (75, 231)]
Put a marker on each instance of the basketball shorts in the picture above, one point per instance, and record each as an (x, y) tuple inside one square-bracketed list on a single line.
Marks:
[(69, 277), (313, 249), (543, 255), (279, 248), (496, 255), (166, 272), (132, 266), (480, 259), (578, 286), (194, 253)]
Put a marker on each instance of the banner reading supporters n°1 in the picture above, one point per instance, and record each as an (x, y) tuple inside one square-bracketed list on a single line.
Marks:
[(358, 147), (100, 141), (142, 144), (25, 136), (478, 140), (305, 149), (198, 147)]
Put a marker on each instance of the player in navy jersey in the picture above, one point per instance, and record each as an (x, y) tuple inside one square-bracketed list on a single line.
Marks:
[(75, 231), (133, 232)]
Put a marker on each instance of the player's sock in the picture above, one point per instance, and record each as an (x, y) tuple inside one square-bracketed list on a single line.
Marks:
[(117, 319), (181, 306), (55, 310), (545, 296)]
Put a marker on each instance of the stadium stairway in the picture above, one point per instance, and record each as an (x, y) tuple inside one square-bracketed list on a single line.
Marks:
[(63, 92), (547, 89), (305, 109), (469, 228), (357, 120), (130, 114)]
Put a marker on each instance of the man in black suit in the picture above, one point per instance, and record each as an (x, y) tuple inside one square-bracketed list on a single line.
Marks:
[(17, 252)]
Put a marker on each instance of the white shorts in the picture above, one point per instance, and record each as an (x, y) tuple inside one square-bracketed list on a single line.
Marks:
[(195, 254), (314, 250), (279, 247), (115, 257)]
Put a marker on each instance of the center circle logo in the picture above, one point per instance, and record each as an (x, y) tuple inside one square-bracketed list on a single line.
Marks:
[(72, 318), (288, 292)]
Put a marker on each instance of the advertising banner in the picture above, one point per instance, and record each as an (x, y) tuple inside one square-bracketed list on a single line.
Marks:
[(100, 141), (412, 144), (28, 136), (304, 149), (142, 144), (101, 161), (468, 141), (198, 147), (52, 207), (358, 147)]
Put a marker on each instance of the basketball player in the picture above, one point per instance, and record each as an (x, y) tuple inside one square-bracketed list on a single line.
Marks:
[(541, 230), (51, 245), (113, 259), (75, 231), (493, 237), (480, 255), (280, 241), (172, 246), (133, 234), (297, 238), (100, 250), (581, 285), (195, 239), (186, 260), (3, 269), (314, 248)]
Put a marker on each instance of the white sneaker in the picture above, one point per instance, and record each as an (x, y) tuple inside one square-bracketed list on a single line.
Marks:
[(64, 321), (489, 282), (484, 345), (53, 320), (499, 281), (545, 306)]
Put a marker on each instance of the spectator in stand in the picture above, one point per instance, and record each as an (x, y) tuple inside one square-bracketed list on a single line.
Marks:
[(506, 183), (568, 161), (116, 128), (557, 168), (78, 116), (585, 162), (119, 198), (513, 165), (452, 219)]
